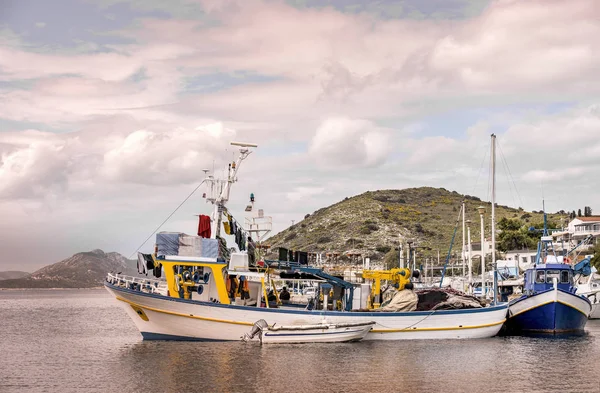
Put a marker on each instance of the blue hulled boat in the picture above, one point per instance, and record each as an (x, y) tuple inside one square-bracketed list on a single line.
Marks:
[(549, 303)]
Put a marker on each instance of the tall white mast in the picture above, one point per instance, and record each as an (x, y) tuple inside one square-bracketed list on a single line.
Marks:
[(463, 235), (469, 250), (481, 213), (494, 217), (219, 189)]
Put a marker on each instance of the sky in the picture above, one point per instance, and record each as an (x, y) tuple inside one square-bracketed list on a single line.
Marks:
[(110, 109)]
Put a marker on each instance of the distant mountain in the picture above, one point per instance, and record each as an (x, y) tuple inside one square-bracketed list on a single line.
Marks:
[(9, 275), (82, 270), (370, 223)]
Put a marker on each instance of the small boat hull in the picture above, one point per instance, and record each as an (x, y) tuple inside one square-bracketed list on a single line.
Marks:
[(595, 313), (321, 333), (553, 311)]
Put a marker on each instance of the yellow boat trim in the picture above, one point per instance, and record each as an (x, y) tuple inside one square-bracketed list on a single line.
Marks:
[(531, 308), (415, 329), (251, 324), (568, 305), (184, 315), (543, 304)]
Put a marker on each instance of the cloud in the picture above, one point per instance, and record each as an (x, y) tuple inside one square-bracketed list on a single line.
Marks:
[(500, 51), (322, 60), (35, 170), (349, 143), (168, 157), (36, 164), (301, 193), (338, 102)]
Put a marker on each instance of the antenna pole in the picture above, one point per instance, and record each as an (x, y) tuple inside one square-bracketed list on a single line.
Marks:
[(221, 188)]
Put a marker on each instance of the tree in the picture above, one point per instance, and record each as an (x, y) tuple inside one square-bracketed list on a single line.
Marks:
[(579, 213), (510, 224), (514, 240), (514, 235), (587, 211), (572, 215)]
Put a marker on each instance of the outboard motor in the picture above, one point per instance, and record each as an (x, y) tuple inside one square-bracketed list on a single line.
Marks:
[(257, 328)]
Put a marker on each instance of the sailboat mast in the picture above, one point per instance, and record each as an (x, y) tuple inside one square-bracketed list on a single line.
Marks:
[(494, 217), (463, 235)]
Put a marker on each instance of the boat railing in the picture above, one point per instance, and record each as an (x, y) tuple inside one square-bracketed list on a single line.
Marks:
[(143, 284)]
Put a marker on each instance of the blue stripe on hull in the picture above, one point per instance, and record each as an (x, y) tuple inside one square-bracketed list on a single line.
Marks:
[(171, 337), (550, 318)]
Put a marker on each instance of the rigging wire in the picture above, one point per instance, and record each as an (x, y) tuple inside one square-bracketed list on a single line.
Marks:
[(479, 172), (510, 189), (167, 219), (451, 244), (510, 173)]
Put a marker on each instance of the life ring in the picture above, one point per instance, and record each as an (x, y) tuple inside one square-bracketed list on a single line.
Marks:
[(567, 260)]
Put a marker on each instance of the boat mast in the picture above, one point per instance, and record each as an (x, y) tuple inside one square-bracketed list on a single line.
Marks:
[(463, 235), (470, 250), (221, 200), (494, 217)]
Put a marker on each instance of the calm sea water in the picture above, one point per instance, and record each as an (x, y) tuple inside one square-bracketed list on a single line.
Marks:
[(82, 341)]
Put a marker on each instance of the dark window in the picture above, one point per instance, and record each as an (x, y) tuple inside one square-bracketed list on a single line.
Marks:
[(550, 274), (540, 277), (564, 277)]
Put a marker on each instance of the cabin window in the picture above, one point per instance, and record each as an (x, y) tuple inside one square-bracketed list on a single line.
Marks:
[(564, 277), (540, 277), (550, 274)]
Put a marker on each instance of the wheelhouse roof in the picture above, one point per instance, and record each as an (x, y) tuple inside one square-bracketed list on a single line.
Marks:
[(553, 266)]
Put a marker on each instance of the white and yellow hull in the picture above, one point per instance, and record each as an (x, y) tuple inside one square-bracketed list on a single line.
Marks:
[(160, 317)]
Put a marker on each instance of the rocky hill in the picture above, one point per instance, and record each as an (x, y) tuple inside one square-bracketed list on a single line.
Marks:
[(12, 274), (82, 270), (371, 224)]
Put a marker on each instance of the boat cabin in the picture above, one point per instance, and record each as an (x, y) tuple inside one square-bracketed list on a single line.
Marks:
[(541, 278)]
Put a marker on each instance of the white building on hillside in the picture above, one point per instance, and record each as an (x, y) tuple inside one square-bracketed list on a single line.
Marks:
[(581, 227)]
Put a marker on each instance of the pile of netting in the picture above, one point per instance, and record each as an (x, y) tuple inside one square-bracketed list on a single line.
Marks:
[(445, 299)]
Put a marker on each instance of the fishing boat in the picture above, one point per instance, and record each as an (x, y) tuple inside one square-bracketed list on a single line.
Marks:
[(301, 334), (550, 303), (595, 312), (591, 290), (202, 299)]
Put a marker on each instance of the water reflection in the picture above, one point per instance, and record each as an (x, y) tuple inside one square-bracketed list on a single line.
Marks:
[(82, 341)]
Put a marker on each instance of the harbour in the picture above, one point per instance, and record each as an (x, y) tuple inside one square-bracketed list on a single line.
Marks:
[(81, 341), (299, 196)]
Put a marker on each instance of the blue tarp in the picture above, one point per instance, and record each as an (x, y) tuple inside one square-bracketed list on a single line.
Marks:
[(168, 243), (210, 248)]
